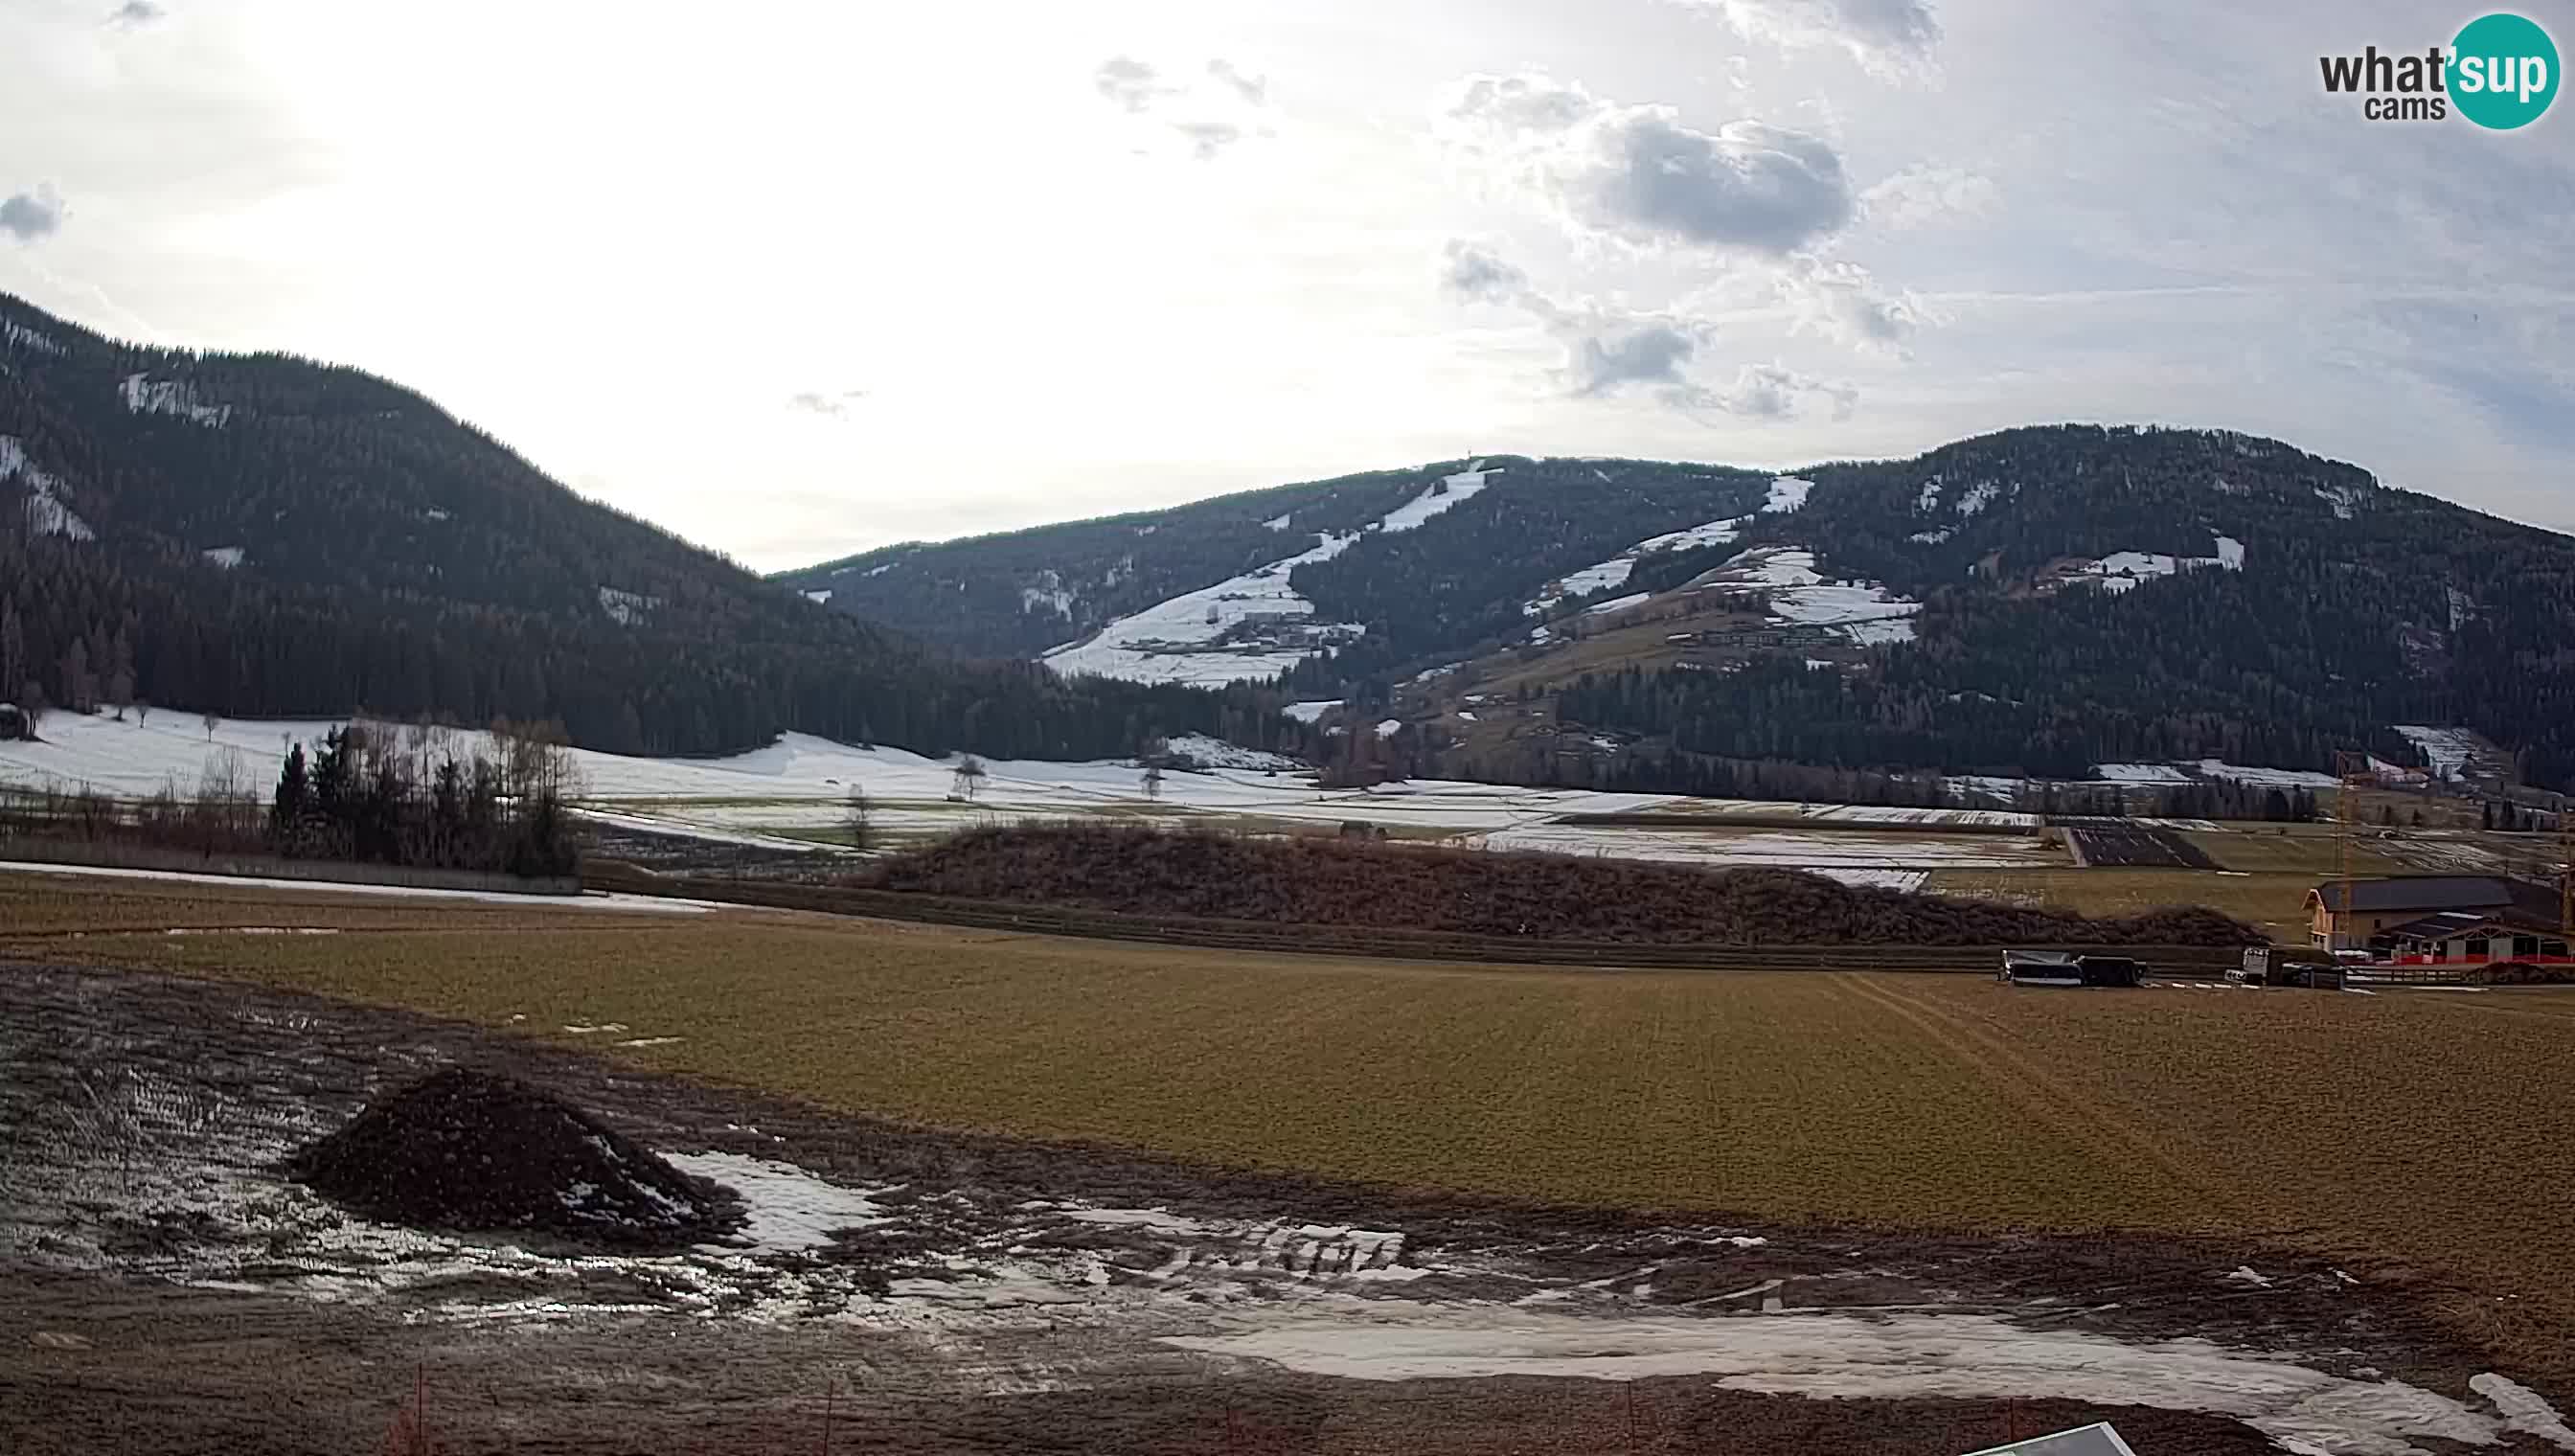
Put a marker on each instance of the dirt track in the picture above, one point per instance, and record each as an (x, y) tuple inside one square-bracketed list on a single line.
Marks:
[(1011, 1297)]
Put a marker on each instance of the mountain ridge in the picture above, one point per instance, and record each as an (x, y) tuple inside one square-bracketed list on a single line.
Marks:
[(259, 534), (2107, 591)]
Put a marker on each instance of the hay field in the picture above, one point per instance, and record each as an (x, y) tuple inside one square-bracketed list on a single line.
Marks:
[(2422, 1130)]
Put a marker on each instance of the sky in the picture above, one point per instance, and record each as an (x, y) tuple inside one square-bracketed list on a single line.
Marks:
[(795, 280)]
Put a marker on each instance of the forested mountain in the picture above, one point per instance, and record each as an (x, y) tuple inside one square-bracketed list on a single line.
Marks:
[(2049, 599), (267, 535)]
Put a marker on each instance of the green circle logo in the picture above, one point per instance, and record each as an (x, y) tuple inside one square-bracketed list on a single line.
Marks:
[(2503, 71)]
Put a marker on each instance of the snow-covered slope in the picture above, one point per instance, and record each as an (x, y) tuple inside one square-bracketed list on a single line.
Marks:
[(1244, 628)]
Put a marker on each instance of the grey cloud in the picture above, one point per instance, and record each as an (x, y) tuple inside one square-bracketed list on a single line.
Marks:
[(1841, 302), (1610, 350), (1129, 82), (1750, 185), (1478, 273), (832, 406), (1209, 139), (28, 216), (1885, 35), (1639, 174), (136, 12), (1773, 392), (1255, 90), (1618, 353)]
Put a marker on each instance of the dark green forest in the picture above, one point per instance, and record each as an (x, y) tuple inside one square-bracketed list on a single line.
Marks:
[(396, 561)]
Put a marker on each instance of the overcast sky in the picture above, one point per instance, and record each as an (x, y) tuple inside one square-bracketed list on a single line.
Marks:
[(797, 280)]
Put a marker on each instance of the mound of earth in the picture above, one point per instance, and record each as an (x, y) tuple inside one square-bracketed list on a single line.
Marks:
[(465, 1149), (1315, 882)]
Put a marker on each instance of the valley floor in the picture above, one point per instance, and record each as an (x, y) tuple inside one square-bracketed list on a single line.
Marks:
[(1197, 1202)]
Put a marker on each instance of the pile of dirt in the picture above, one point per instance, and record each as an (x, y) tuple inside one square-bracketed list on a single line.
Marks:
[(1313, 881), (464, 1149)]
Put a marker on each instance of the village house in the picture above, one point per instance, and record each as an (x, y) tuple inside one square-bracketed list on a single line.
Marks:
[(2437, 918)]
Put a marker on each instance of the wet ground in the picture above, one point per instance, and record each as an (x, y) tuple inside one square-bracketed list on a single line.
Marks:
[(163, 1286)]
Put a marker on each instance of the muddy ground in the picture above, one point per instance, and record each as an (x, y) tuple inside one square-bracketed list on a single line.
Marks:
[(164, 1287)]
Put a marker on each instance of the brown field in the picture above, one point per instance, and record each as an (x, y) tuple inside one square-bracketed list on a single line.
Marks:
[(2416, 1131), (2273, 901)]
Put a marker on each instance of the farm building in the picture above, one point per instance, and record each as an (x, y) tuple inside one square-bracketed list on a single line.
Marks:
[(2357, 915), (2450, 937)]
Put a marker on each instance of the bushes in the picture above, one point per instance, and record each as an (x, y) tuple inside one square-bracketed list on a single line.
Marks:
[(1336, 882)]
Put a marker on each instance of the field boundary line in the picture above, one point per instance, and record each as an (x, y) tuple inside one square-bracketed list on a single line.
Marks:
[(1987, 1049)]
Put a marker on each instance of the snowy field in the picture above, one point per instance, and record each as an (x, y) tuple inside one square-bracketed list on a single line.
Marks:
[(799, 779), (1851, 813), (1841, 855), (793, 789), (2448, 749)]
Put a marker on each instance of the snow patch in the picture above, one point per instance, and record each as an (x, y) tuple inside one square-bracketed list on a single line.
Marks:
[(143, 396), (788, 1209), (1788, 494), (1060, 602), (1978, 497), (2344, 500), (1453, 490), (1930, 538), (1389, 728), (1893, 1356), (2141, 773), (14, 335), (818, 596), (1603, 575), (46, 514), (225, 556), (1312, 712), (1215, 753), (627, 609), (2447, 749), (1280, 522), (1867, 613), (1929, 500), (1617, 604)]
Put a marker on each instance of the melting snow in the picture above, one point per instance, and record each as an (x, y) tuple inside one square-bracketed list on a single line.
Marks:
[(2343, 499), (46, 514), (16, 335), (2141, 773), (790, 1209), (1389, 728), (2447, 749), (1930, 538), (1312, 712), (1278, 523), (225, 556), (143, 396), (1175, 641), (1894, 1356), (1059, 602), (2121, 570), (1929, 500), (1788, 494), (1215, 753), (1461, 488), (627, 609), (818, 596), (1613, 572), (1978, 497), (1617, 604), (2230, 553), (1869, 614)]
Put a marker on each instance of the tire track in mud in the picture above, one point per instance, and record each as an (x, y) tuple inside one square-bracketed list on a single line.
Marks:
[(2082, 1116)]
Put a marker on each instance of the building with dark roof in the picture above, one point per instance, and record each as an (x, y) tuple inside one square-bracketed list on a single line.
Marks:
[(2351, 915)]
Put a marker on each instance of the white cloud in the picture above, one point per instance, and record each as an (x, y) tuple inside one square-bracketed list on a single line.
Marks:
[(1207, 139), (136, 12), (1255, 90), (833, 405), (28, 216), (1129, 83), (1885, 35), (1921, 197), (1639, 174)]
